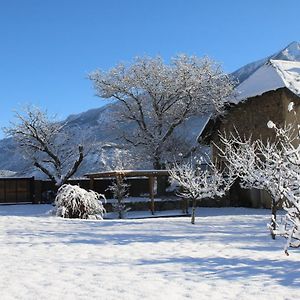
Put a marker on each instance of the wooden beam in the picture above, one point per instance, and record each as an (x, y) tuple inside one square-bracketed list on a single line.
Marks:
[(151, 193), (92, 183), (129, 173)]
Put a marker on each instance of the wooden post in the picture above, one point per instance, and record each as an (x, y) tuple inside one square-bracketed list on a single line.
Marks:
[(92, 179), (151, 193), (37, 191), (119, 181), (185, 205)]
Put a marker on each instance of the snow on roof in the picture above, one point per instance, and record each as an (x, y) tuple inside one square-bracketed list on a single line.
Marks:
[(203, 127), (271, 76)]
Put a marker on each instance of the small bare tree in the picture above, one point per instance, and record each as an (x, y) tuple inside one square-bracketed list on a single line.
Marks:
[(47, 144), (289, 139), (119, 189), (274, 167), (119, 160), (258, 165), (158, 97), (197, 184)]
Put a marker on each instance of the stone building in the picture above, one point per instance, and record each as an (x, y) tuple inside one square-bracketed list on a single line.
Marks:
[(264, 96)]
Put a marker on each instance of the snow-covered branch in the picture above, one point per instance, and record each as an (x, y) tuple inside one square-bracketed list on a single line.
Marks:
[(159, 97), (46, 143), (273, 166)]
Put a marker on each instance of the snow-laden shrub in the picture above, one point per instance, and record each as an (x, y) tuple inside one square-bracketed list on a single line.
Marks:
[(74, 202)]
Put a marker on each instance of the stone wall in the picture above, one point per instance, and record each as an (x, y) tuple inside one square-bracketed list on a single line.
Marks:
[(250, 118)]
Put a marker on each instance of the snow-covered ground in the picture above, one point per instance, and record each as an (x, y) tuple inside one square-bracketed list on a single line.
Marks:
[(228, 254)]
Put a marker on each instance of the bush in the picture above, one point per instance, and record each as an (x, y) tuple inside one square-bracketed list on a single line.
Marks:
[(74, 202)]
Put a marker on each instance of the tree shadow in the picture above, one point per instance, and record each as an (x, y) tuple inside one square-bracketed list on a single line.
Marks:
[(283, 272)]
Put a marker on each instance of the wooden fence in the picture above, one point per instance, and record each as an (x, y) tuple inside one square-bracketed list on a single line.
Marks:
[(29, 190), (45, 189), (17, 190)]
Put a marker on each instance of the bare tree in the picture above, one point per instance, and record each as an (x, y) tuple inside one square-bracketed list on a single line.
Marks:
[(272, 166), (47, 143), (119, 189), (158, 97), (289, 139), (258, 165), (197, 184)]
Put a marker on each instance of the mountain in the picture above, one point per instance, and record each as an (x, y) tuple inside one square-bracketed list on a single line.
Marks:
[(96, 126), (96, 129), (91, 127), (290, 53)]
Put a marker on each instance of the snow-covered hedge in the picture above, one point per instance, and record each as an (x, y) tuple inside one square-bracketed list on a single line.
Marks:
[(74, 202)]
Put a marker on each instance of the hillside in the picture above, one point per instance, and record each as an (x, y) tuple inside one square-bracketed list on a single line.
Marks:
[(96, 129)]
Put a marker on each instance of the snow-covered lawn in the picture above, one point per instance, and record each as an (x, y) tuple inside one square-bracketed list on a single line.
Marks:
[(228, 254)]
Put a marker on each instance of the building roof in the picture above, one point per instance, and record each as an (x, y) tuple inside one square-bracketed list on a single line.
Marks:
[(128, 173), (273, 75)]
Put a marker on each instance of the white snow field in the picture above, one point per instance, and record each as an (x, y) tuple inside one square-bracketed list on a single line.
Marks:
[(227, 254)]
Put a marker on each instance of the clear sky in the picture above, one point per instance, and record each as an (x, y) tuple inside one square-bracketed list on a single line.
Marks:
[(48, 47)]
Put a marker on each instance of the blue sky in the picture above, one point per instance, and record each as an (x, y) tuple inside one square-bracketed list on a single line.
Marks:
[(48, 47)]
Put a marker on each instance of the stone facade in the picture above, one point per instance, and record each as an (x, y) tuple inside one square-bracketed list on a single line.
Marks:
[(249, 118)]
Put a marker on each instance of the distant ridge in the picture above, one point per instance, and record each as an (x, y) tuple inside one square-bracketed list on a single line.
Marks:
[(289, 53)]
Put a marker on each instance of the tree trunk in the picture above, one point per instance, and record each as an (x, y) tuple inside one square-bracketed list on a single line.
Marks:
[(119, 181), (157, 165), (193, 211), (273, 220), (162, 181)]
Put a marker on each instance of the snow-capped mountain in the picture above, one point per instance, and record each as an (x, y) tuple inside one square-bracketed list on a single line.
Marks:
[(290, 53), (98, 128)]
